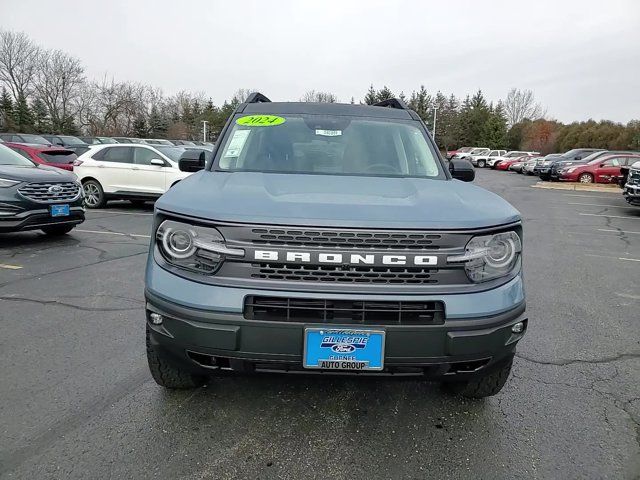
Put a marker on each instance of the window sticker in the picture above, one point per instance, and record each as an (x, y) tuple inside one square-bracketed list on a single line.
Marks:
[(260, 121), (237, 143), (329, 133)]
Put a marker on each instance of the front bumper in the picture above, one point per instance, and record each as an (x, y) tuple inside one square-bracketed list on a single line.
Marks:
[(631, 194), (204, 328), (38, 218)]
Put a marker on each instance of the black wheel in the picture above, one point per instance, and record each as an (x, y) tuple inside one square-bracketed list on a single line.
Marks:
[(482, 163), (93, 194), (544, 177), (166, 374), (55, 230), (137, 202), (585, 178), (481, 387)]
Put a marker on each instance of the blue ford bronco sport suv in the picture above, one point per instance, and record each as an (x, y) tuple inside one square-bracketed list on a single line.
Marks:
[(333, 239)]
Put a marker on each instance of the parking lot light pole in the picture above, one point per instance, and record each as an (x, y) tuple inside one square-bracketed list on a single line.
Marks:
[(435, 116), (204, 130)]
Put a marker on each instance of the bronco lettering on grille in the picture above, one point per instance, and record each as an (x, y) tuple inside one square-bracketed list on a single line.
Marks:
[(347, 258)]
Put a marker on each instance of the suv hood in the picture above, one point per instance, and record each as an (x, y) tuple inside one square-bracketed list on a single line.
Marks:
[(347, 201), (38, 173)]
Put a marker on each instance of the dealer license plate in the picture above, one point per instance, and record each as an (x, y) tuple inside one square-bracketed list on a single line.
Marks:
[(59, 210), (343, 349)]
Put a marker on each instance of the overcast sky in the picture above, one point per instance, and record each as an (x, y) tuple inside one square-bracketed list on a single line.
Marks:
[(580, 57)]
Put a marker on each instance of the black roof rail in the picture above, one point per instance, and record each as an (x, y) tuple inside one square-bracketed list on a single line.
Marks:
[(256, 97), (392, 103)]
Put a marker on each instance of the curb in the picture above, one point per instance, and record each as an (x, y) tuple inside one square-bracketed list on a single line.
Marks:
[(578, 187)]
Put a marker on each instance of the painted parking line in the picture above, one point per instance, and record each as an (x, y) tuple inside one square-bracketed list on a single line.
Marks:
[(597, 205), (590, 196), (608, 216), (617, 231), (123, 213), (103, 232), (624, 259), (10, 267)]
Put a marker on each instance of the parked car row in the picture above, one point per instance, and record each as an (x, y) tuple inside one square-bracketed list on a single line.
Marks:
[(585, 165)]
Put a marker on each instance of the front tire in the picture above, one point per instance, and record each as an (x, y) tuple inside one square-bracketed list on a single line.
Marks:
[(482, 163), (57, 230), (585, 178), (168, 375), (484, 386), (93, 194)]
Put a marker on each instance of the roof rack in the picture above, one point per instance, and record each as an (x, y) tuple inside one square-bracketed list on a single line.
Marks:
[(256, 97), (392, 103)]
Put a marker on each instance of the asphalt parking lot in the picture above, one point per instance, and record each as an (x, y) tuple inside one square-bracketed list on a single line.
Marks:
[(77, 400)]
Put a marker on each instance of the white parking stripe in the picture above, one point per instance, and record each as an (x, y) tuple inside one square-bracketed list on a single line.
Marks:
[(629, 259), (122, 213), (608, 216), (609, 256), (597, 205), (113, 233), (590, 196), (10, 267), (616, 231)]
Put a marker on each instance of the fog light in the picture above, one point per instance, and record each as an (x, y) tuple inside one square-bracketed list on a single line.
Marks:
[(156, 318), (517, 328)]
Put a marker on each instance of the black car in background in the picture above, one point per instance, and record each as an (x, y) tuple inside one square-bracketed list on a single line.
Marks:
[(68, 141), (37, 197), (576, 154)]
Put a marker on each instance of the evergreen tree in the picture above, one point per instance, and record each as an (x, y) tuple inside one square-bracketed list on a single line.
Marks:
[(371, 97), (384, 94), (140, 127), (157, 124), (494, 131), (41, 120), (22, 115), (6, 111), (421, 103)]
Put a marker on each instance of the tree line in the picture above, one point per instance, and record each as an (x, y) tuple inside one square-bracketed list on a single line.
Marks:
[(47, 91)]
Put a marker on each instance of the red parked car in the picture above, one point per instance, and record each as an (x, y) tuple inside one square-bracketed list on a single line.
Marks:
[(44, 155), (507, 162), (605, 169)]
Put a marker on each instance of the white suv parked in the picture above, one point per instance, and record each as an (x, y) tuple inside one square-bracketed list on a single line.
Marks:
[(493, 161), (481, 160), (133, 172)]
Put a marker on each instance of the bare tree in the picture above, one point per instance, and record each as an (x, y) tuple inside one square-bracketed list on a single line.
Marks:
[(58, 80), (319, 97), (520, 105), (19, 58)]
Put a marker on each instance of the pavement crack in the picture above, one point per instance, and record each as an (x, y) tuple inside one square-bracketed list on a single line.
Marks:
[(64, 304), (595, 361)]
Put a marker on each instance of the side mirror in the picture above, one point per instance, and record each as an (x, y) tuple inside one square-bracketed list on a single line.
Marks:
[(192, 161), (461, 169), (157, 162)]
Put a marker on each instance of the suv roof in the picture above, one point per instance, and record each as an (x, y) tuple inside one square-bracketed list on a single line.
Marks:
[(325, 109)]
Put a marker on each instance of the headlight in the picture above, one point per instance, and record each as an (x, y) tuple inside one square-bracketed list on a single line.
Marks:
[(193, 247), (5, 182), (570, 170), (490, 256)]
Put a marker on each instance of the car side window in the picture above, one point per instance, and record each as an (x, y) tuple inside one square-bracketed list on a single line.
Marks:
[(118, 155), (612, 162), (16, 138), (143, 156), (21, 152)]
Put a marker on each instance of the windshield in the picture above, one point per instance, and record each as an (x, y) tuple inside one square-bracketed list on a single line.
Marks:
[(28, 138), (479, 151), (58, 156), (330, 145), (173, 153), (9, 157)]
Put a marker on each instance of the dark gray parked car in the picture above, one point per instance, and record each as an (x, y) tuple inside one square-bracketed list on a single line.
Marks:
[(329, 238)]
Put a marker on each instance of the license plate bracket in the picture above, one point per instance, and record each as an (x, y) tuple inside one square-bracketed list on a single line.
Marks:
[(338, 348), (60, 210)]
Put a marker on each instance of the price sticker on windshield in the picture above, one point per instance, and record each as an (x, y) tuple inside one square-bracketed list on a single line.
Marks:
[(260, 121)]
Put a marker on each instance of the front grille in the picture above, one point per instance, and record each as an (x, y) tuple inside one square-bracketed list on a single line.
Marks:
[(344, 239), (339, 274), (50, 192), (634, 178), (357, 312)]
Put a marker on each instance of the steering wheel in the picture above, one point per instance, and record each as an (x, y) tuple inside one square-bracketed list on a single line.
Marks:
[(381, 168)]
